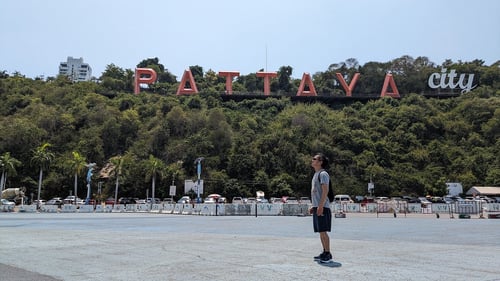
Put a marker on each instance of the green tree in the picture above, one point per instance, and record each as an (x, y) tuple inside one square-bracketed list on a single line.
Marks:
[(119, 163), (42, 158), (154, 167), (282, 185), (152, 63), (76, 164), (116, 79), (8, 165), (284, 79), (197, 72)]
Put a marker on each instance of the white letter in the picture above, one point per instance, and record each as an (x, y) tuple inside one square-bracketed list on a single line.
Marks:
[(452, 76), (468, 87), (432, 77), (443, 79)]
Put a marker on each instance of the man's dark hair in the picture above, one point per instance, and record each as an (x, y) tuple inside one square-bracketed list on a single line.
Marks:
[(325, 162)]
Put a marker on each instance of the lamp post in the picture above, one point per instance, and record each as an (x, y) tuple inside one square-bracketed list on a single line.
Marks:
[(198, 171)]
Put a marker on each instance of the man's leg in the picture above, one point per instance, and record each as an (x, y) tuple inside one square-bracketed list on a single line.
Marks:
[(325, 241)]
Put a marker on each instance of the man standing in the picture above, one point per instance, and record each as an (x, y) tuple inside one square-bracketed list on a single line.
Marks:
[(322, 216)]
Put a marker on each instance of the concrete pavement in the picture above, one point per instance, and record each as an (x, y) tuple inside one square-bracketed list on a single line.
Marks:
[(145, 246)]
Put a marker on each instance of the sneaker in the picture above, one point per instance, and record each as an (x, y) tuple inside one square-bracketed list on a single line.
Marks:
[(326, 258), (318, 257)]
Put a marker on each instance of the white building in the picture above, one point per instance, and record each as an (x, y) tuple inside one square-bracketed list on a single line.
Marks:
[(484, 190), (75, 69), (454, 188)]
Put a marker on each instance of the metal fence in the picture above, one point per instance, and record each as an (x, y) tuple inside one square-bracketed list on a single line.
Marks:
[(288, 209)]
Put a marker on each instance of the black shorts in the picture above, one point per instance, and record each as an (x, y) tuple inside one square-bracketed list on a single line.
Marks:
[(324, 222)]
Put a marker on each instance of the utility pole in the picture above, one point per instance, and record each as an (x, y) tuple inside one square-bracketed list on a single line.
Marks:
[(198, 171)]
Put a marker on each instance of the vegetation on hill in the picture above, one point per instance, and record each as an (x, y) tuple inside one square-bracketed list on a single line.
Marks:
[(411, 145)]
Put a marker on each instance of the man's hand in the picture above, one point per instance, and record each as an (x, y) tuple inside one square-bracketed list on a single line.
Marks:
[(319, 212)]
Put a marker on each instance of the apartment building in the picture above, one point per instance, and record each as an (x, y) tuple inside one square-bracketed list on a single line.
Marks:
[(75, 69)]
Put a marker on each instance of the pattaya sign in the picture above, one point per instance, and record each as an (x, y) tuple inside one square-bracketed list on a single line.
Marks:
[(447, 80), (442, 80)]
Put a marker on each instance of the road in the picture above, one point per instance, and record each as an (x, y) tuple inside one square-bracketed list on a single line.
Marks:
[(145, 246)]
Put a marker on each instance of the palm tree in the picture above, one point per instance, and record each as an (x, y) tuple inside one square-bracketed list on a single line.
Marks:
[(77, 165), (154, 167), (118, 163), (42, 158), (8, 165)]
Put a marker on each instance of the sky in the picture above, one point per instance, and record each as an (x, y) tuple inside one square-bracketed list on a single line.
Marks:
[(244, 36)]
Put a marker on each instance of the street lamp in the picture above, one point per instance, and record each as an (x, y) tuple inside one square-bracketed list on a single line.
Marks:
[(198, 171)]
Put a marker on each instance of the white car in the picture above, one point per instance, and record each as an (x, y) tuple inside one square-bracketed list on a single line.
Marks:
[(237, 200), (71, 200), (342, 198), (424, 202), (305, 200), (184, 200), (209, 200), (275, 200), (7, 203), (42, 202), (168, 201)]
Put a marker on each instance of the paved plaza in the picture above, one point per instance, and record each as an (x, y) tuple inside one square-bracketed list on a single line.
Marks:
[(147, 246)]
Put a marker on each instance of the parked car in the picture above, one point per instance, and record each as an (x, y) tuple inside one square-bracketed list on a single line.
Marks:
[(237, 200), (367, 200), (150, 200), (292, 200), (55, 201), (381, 199), (6, 202), (437, 199), (305, 200), (222, 200), (424, 202), (168, 201), (209, 200), (342, 198), (448, 200), (71, 200), (126, 200), (487, 199), (90, 202), (410, 199), (110, 201), (42, 202), (184, 200), (358, 198), (275, 200)]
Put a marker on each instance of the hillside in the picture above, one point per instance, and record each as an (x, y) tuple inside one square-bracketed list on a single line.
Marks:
[(411, 145)]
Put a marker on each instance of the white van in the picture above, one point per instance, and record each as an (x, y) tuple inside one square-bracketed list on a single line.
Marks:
[(342, 198)]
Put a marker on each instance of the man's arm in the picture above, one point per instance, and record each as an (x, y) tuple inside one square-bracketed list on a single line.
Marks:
[(324, 194)]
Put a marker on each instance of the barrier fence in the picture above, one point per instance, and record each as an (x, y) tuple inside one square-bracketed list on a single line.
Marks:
[(264, 209)]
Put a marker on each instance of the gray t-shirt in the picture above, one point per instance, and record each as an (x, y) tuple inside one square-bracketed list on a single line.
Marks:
[(316, 190)]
